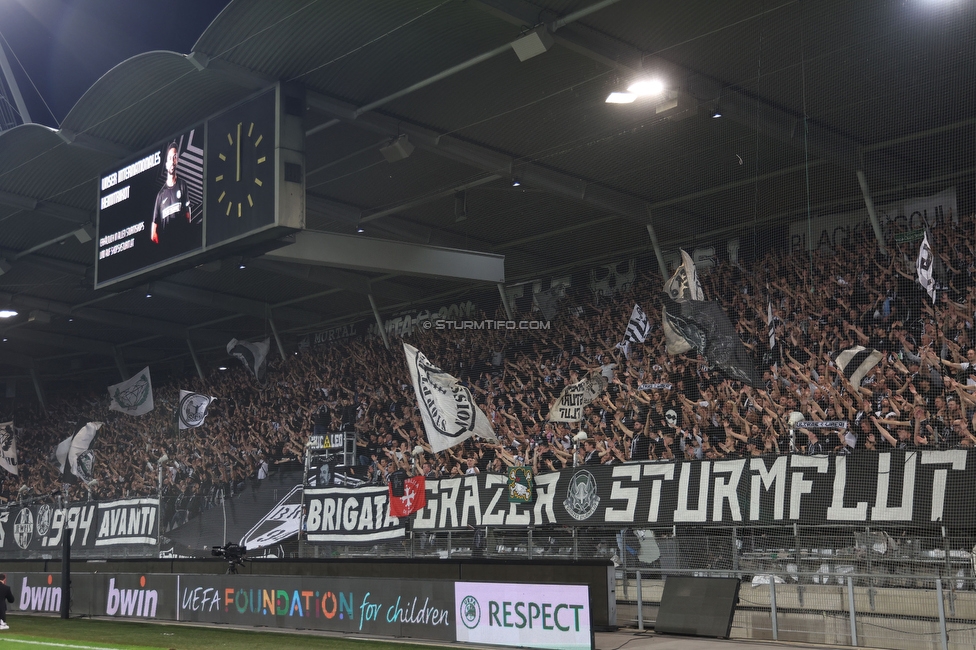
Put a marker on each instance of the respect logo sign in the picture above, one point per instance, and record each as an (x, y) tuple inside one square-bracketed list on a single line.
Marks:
[(523, 615)]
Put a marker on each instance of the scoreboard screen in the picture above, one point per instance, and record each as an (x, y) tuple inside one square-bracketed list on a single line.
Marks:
[(150, 208), (214, 189)]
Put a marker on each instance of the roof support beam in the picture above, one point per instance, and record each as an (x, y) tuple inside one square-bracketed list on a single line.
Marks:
[(368, 254), (741, 107), (115, 319), (91, 143), (531, 174), (47, 208), (230, 303)]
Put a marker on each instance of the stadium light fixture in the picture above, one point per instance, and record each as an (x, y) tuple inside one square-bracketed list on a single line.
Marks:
[(716, 113), (640, 88), (646, 87), (516, 182), (7, 313), (222, 368)]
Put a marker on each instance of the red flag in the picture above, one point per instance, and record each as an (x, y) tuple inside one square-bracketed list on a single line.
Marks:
[(414, 497)]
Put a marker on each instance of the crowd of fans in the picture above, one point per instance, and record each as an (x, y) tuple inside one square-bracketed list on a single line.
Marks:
[(921, 394)]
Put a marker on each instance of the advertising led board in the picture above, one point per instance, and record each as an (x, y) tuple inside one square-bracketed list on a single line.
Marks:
[(150, 207), (523, 615)]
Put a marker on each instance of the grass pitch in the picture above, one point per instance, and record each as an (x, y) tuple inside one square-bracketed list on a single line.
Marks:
[(42, 633)]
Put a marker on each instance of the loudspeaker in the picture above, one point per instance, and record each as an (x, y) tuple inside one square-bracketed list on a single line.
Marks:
[(697, 606), (398, 149)]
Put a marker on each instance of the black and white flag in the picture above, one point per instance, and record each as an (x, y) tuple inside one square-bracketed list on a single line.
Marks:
[(639, 327), (772, 325), (75, 458), (857, 362), (193, 408), (133, 396), (447, 407), (8, 447), (254, 356), (926, 267)]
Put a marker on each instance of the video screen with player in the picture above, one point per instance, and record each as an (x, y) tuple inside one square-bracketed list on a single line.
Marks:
[(150, 208)]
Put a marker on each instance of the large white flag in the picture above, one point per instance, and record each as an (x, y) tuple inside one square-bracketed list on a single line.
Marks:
[(193, 408), (8, 447), (75, 458), (134, 395), (568, 407), (448, 409)]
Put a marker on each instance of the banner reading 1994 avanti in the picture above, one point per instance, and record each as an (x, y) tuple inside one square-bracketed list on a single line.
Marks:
[(107, 525)]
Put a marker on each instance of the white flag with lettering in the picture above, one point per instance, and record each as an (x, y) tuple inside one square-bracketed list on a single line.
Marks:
[(447, 407)]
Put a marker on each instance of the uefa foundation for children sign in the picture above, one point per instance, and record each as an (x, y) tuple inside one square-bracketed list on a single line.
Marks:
[(521, 615)]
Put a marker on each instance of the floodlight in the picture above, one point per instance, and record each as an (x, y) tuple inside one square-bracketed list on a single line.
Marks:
[(621, 98), (646, 87)]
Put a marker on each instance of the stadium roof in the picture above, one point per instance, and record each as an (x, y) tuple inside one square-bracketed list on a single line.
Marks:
[(809, 94)]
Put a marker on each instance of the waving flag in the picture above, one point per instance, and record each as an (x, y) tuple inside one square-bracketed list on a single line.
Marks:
[(254, 356), (75, 458), (8, 447), (447, 407), (134, 395), (926, 266), (193, 408), (414, 497), (639, 327)]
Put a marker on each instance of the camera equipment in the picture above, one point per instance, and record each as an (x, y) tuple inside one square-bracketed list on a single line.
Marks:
[(232, 552)]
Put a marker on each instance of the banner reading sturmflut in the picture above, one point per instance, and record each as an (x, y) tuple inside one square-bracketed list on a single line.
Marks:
[(448, 409)]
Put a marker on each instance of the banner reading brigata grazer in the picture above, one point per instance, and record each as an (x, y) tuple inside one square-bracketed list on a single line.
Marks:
[(351, 515)]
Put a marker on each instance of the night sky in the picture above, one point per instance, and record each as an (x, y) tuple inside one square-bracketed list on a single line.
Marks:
[(66, 45)]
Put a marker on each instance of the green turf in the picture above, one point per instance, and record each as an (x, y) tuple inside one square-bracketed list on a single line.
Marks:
[(141, 636)]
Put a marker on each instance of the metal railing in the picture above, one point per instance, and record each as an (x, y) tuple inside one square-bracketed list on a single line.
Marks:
[(826, 608)]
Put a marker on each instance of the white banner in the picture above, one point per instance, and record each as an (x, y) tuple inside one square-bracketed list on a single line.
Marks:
[(568, 407), (842, 230), (448, 409), (8, 447), (134, 395)]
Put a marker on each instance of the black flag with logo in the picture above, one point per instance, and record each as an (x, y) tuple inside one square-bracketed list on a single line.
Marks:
[(706, 327)]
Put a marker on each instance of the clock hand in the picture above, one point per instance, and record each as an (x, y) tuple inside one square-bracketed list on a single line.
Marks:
[(239, 152)]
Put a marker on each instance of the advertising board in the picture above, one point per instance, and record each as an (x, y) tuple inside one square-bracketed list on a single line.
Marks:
[(523, 615)]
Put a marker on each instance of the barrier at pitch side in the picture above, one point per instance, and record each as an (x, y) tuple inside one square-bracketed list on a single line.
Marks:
[(526, 615)]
